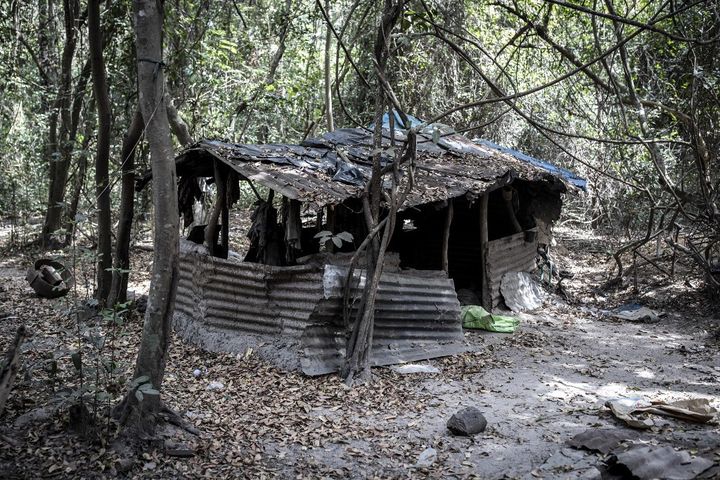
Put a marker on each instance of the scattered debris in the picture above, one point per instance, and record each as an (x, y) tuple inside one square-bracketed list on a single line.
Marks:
[(49, 278), (414, 368), (568, 464), (634, 312), (647, 462), (475, 316), (426, 458), (602, 440), (696, 410), (179, 450), (521, 292), (468, 421)]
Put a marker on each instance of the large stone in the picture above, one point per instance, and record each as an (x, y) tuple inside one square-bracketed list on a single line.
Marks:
[(468, 421)]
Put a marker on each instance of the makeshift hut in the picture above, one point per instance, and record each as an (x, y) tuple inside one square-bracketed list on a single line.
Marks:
[(476, 212)]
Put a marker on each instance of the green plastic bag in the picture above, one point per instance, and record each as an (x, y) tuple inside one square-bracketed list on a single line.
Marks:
[(475, 316)]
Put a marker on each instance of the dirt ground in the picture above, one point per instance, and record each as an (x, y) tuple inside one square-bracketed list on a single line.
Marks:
[(537, 387)]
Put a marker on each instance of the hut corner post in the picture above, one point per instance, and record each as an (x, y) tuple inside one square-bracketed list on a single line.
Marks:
[(446, 237), (485, 297), (220, 208)]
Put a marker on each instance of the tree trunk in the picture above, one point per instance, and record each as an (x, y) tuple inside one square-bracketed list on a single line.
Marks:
[(328, 81), (118, 290), (67, 152), (157, 327), (82, 161), (59, 163), (359, 346), (177, 124), (102, 159)]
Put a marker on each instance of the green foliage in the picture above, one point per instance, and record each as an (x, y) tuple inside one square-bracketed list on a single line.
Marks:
[(221, 72)]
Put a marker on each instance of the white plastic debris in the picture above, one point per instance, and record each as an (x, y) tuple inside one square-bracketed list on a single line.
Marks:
[(197, 373), (521, 292), (414, 368), (215, 386)]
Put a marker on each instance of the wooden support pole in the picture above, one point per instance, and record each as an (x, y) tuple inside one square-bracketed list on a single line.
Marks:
[(507, 194), (485, 297), (446, 237), (220, 207), (225, 232)]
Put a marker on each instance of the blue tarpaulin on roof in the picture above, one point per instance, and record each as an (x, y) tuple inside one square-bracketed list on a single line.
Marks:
[(554, 169), (414, 122), (569, 176)]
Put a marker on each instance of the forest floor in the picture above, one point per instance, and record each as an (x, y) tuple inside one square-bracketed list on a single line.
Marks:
[(537, 387)]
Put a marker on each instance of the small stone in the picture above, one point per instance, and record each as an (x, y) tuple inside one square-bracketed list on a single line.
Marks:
[(124, 464), (427, 458), (468, 421)]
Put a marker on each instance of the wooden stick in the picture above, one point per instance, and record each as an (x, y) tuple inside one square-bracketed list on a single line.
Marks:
[(11, 366), (446, 236), (485, 290), (507, 194)]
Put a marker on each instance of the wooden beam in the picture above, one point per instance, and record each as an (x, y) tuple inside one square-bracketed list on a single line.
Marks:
[(507, 194), (485, 297), (446, 237), (220, 207), (225, 232)]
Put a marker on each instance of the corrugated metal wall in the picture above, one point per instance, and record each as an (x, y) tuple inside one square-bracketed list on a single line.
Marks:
[(417, 314), (416, 317), (508, 254), (248, 297)]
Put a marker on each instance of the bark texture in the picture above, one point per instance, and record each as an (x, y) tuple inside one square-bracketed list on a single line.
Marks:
[(359, 345), (118, 290), (102, 160), (59, 144), (157, 326)]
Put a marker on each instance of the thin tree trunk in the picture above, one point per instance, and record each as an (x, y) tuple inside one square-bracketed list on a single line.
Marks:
[(328, 80), (102, 160), (157, 326), (59, 163), (71, 221), (118, 290), (359, 347), (177, 124)]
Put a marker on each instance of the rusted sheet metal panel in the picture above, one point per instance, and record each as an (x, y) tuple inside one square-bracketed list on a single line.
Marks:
[(508, 254), (335, 167), (416, 317), (247, 297)]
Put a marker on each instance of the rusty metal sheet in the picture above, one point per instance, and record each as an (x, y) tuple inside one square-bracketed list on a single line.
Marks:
[(417, 315), (335, 167), (247, 297), (508, 254)]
